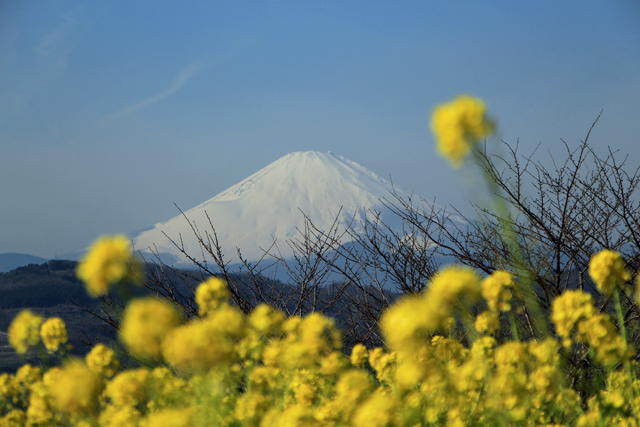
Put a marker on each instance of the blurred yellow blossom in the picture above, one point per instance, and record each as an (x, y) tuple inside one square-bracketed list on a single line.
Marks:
[(128, 388), (13, 418), (487, 322), (145, 323), (54, 333), (377, 411), (568, 309), (458, 125), (108, 261), (608, 271), (601, 334), (204, 343), (50, 377), (102, 360), (76, 389), (333, 363), (211, 295), (496, 290), (24, 331), (352, 386), (39, 411), (359, 354), (169, 418), (27, 375), (120, 416), (451, 290), (406, 320), (267, 320)]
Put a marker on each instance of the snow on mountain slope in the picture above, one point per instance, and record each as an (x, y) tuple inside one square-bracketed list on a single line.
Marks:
[(268, 206)]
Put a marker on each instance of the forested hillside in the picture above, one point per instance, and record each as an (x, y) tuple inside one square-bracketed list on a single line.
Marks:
[(52, 290)]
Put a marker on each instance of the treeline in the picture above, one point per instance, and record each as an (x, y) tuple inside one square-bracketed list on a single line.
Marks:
[(45, 285), (52, 289)]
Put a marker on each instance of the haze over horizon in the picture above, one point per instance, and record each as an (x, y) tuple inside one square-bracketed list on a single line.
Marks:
[(112, 111)]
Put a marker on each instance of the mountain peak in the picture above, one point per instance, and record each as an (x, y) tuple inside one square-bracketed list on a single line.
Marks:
[(268, 206)]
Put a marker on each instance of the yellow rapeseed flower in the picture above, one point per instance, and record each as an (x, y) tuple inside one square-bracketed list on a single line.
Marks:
[(102, 360), (204, 343), (54, 333), (39, 412), (13, 418), (405, 321), (24, 331), (50, 377), (458, 125), (167, 389), (266, 320), (546, 352), (352, 387), (169, 418), (146, 321), (250, 407), (487, 322), (108, 261), (568, 309), (496, 290), (128, 388), (359, 355), (27, 375), (76, 389), (453, 288), (120, 416), (377, 411), (608, 271), (601, 335), (333, 363), (211, 295)]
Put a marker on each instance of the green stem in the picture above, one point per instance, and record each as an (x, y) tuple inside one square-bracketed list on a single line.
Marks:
[(623, 332), (623, 328), (514, 326), (516, 256)]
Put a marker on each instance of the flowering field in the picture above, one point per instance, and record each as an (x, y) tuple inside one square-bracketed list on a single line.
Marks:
[(453, 354)]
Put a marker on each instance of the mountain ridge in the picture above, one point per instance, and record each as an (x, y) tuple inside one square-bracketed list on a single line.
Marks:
[(12, 260), (268, 206)]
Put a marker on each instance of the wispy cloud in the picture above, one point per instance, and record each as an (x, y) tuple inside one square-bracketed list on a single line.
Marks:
[(53, 48), (181, 79), (26, 75)]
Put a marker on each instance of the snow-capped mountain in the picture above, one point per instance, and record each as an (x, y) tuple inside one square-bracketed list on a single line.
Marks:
[(268, 206)]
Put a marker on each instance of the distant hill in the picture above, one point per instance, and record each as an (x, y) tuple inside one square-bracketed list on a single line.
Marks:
[(50, 289), (10, 261), (43, 285)]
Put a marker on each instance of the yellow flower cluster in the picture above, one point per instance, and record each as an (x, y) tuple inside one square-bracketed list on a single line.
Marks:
[(458, 125), (497, 290), (145, 323), (76, 389), (103, 361), (608, 271), (452, 290), (27, 329), (204, 343), (108, 261), (211, 295), (264, 369), (577, 320), (24, 331), (53, 333)]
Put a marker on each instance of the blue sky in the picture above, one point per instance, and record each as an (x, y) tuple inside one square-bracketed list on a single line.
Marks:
[(112, 111)]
